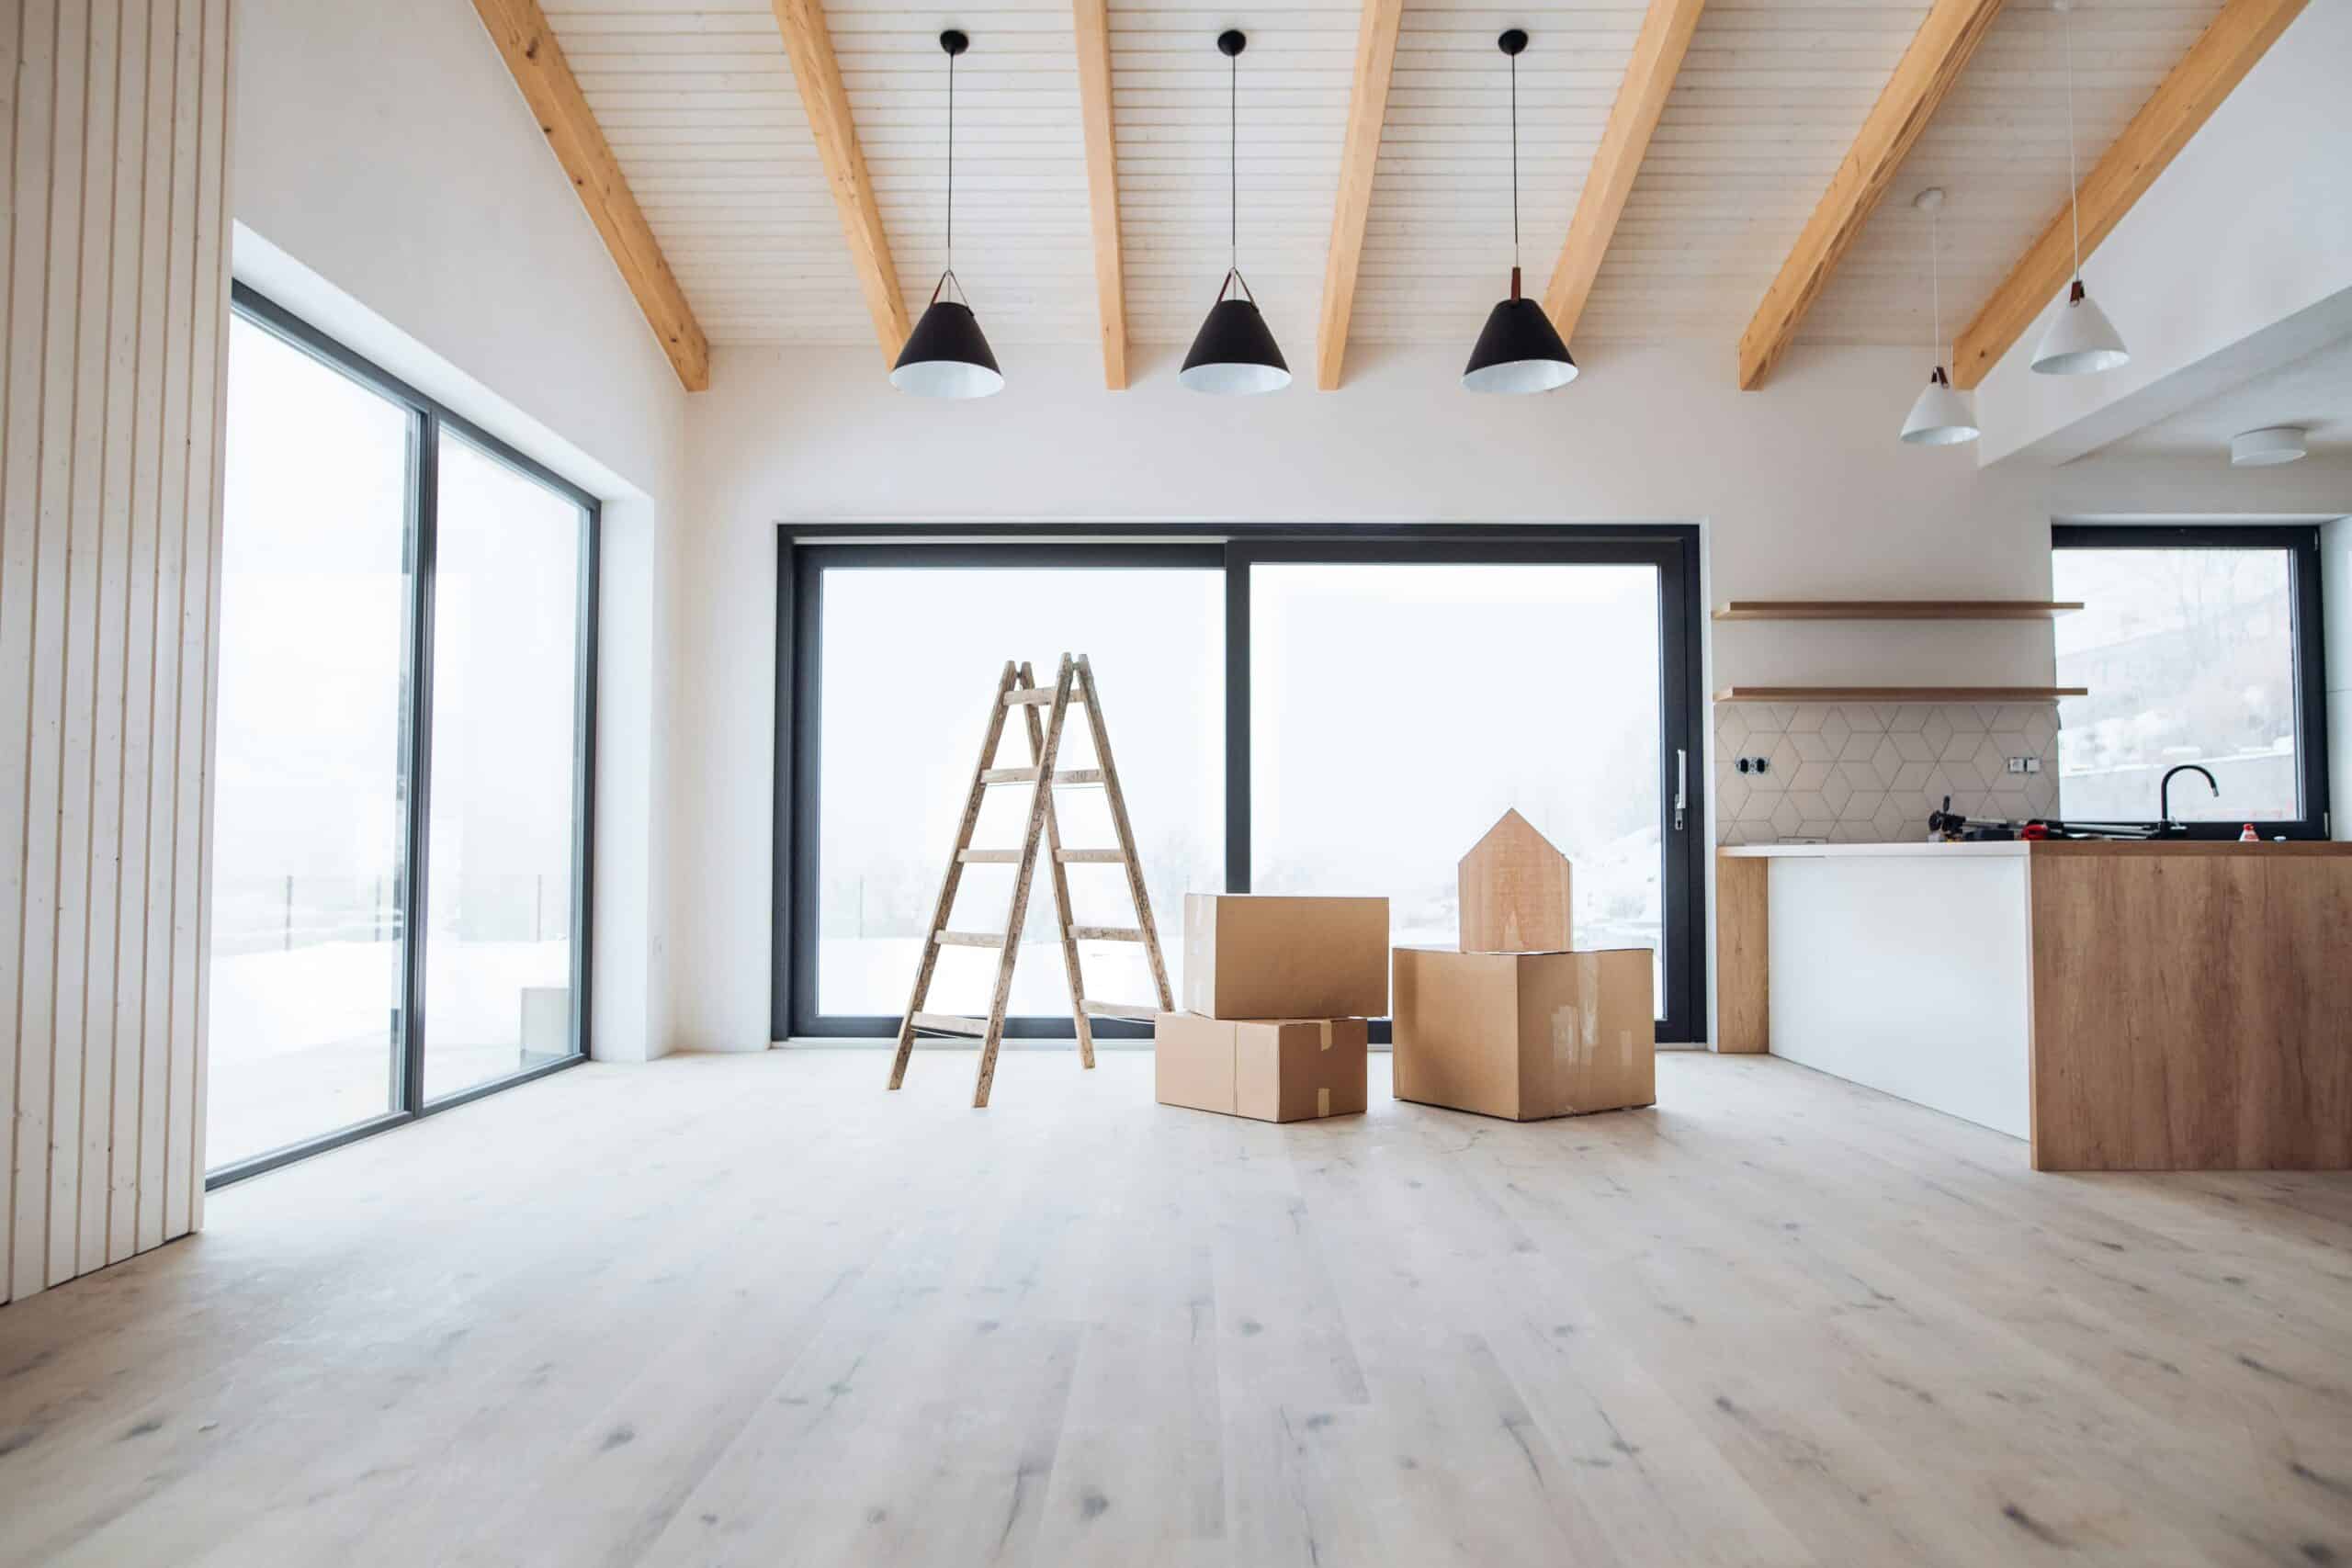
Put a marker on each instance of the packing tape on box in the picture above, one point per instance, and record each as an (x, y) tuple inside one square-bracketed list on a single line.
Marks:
[(1326, 1025), (1323, 1096)]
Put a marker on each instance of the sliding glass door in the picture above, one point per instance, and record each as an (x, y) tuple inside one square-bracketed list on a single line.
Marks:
[(1325, 711), (1482, 686), (403, 796), (902, 651), (506, 727), (310, 772)]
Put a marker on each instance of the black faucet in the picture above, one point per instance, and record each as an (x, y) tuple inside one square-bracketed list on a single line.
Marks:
[(2164, 794)]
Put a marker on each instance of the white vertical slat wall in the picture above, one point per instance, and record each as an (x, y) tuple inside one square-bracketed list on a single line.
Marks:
[(113, 249)]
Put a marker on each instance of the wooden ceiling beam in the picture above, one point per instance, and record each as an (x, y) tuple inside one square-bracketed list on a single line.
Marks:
[(1659, 50), (1937, 54), (528, 46), (1093, 19), (2182, 102), (817, 75), (1359, 155)]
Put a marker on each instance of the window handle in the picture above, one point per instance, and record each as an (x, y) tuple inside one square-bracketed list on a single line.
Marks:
[(1681, 784)]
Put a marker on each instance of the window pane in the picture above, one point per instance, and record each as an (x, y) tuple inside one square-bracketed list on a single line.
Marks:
[(1398, 710), (2189, 655), (499, 847), (909, 657), (308, 786)]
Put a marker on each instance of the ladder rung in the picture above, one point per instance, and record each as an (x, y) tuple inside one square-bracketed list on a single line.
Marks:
[(989, 857), (968, 938), (1090, 857), (1034, 696), (1106, 933), (948, 1024), (1136, 1012), (1029, 775)]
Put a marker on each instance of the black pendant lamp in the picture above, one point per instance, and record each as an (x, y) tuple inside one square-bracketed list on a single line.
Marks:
[(1234, 353), (946, 356), (1520, 351)]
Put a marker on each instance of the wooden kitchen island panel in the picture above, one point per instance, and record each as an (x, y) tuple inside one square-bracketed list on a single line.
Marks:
[(2192, 1006)]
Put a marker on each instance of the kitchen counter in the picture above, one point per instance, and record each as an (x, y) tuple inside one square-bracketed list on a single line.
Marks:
[(2146, 1005), (2015, 848), (2019, 848)]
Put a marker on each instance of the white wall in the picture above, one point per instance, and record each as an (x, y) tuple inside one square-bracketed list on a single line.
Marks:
[(391, 187), (1802, 488), (2237, 259), (113, 244)]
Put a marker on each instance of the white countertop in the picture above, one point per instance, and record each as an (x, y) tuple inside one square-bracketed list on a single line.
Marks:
[(2012, 847)]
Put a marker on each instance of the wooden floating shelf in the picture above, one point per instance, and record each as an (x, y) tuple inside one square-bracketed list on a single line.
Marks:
[(1898, 694), (1896, 609)]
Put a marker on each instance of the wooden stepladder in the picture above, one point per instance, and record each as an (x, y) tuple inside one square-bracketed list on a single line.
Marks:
[(1017, 688)]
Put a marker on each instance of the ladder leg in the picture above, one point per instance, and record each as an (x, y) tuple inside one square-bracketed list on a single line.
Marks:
[(945, 903), (1063, 916), (1118, 802), (1038, 802)]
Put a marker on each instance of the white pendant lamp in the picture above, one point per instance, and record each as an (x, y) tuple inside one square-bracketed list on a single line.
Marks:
[(2081, 339), (945, 356), (1233, 354), (1940, 417), (1519, 350)]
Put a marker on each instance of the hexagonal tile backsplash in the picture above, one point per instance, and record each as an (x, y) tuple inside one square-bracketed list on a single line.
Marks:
[(1863, 773)]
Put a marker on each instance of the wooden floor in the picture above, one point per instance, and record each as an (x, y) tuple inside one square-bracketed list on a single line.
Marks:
[(754, 1310)]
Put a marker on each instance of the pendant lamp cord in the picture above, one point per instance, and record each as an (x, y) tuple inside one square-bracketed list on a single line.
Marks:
[(951, 162), (1935, 285), (2073, 180), (1514, 166), (1233, 163)]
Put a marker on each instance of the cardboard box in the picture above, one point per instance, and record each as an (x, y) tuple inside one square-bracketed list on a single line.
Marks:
[(1275, 1069), (1259, 955), (1525, 1035), (1515, 892)]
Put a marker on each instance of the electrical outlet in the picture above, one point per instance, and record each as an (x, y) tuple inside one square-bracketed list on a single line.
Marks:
[(1752, 764), (2025, 764)]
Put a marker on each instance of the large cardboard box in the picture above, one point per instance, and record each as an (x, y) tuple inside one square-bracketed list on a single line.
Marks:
[(1525, 1035), (1276, 1069), (1260, 956)]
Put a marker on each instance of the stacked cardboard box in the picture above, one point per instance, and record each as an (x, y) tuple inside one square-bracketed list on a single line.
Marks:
[(1277, 992), (1513, 1022)]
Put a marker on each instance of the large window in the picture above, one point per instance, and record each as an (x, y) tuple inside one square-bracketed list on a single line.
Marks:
[(1485, 687), (2199, 647), (401, 789), (311, 779), (1324, 711)]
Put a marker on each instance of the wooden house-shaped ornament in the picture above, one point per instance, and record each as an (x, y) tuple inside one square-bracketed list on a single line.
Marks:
[(1514, 888)]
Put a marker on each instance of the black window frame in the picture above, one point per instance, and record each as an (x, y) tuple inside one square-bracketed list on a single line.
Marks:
[(804, 551), (429, 419), (2301, 544)]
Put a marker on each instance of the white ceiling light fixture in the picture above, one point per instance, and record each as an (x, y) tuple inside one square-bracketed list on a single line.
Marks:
[(1941, 416), (2081, 339), (2266, 448)]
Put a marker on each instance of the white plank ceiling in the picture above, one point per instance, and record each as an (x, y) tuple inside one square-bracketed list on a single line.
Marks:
[(698, 101)]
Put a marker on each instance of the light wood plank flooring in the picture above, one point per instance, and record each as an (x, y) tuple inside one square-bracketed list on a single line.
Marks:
[(754, 1310)]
